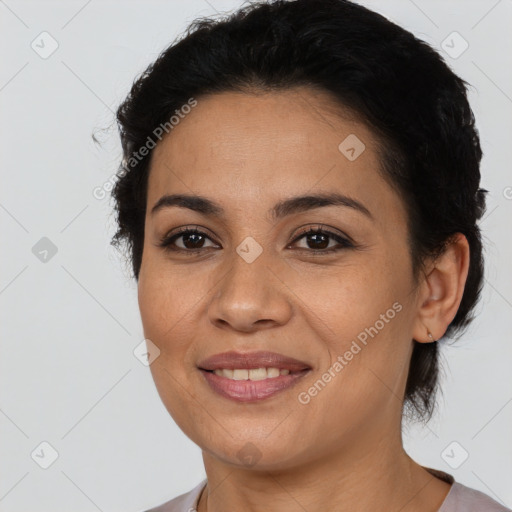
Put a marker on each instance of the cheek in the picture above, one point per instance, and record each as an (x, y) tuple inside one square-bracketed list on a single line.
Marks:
[(348, 298), (164, 296), (361, 317), (163, 310)]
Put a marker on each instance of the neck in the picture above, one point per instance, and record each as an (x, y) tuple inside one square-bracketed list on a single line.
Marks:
[(356, 477)]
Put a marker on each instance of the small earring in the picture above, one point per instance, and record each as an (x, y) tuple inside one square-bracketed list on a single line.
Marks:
[(430, 336)]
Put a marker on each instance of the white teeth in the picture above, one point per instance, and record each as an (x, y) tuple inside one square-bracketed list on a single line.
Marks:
[(272, 372), (257, 374), (252, 374), (240, 374)]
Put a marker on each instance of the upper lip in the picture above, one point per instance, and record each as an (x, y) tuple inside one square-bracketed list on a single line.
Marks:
[(251, 360)]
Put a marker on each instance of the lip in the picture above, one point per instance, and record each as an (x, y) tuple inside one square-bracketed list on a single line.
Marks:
[(248, 390), (251, 360)]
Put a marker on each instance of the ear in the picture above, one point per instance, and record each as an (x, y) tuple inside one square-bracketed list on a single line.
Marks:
[(441, 290)]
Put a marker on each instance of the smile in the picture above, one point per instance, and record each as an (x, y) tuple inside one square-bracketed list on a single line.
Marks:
[(242, 385)]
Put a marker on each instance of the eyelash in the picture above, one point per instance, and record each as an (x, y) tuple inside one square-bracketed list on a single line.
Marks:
[(166, 241)]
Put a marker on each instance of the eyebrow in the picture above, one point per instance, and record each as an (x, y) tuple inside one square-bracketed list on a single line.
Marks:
[(281, 209)]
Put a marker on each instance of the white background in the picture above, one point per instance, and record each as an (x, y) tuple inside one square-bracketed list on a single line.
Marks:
[(69, 325)]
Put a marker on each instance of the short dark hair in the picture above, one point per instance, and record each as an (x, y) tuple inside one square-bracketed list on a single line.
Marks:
[(395, 83)]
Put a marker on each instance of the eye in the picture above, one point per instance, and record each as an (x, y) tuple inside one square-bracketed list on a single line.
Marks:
[(192, 241), (318, 238)]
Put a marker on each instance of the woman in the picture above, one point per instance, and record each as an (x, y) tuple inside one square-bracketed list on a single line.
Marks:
[(300, 195)]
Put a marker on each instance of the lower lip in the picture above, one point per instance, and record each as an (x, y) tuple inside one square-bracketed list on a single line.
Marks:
[(251, 390)]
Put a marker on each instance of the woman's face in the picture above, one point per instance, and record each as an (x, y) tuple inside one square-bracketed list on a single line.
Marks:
[(252, 281)]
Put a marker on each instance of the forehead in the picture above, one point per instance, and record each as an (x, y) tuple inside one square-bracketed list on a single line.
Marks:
[(240, 147)]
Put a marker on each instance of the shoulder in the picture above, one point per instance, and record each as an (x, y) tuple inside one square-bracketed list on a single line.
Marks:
[(465, 499), (186, 502)]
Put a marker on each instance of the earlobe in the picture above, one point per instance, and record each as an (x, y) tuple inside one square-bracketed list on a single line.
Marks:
[(442, 290)]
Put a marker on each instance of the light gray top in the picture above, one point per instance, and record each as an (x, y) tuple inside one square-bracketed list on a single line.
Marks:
[(459, 499)]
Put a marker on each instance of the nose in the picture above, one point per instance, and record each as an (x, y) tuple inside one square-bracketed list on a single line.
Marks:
[(251, 296)]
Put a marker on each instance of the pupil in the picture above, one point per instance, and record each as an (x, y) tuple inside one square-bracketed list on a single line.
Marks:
[(195, 245), (323, 244)]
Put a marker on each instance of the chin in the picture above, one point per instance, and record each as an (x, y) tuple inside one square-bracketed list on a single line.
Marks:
[(256, 455)]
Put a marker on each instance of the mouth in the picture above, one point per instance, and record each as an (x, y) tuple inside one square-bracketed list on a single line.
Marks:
[(252, 376)]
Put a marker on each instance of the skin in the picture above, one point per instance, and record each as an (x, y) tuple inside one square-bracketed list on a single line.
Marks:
[(342, 450)]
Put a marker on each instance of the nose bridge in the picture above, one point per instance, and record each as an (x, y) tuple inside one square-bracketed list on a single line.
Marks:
[(249, 291)]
